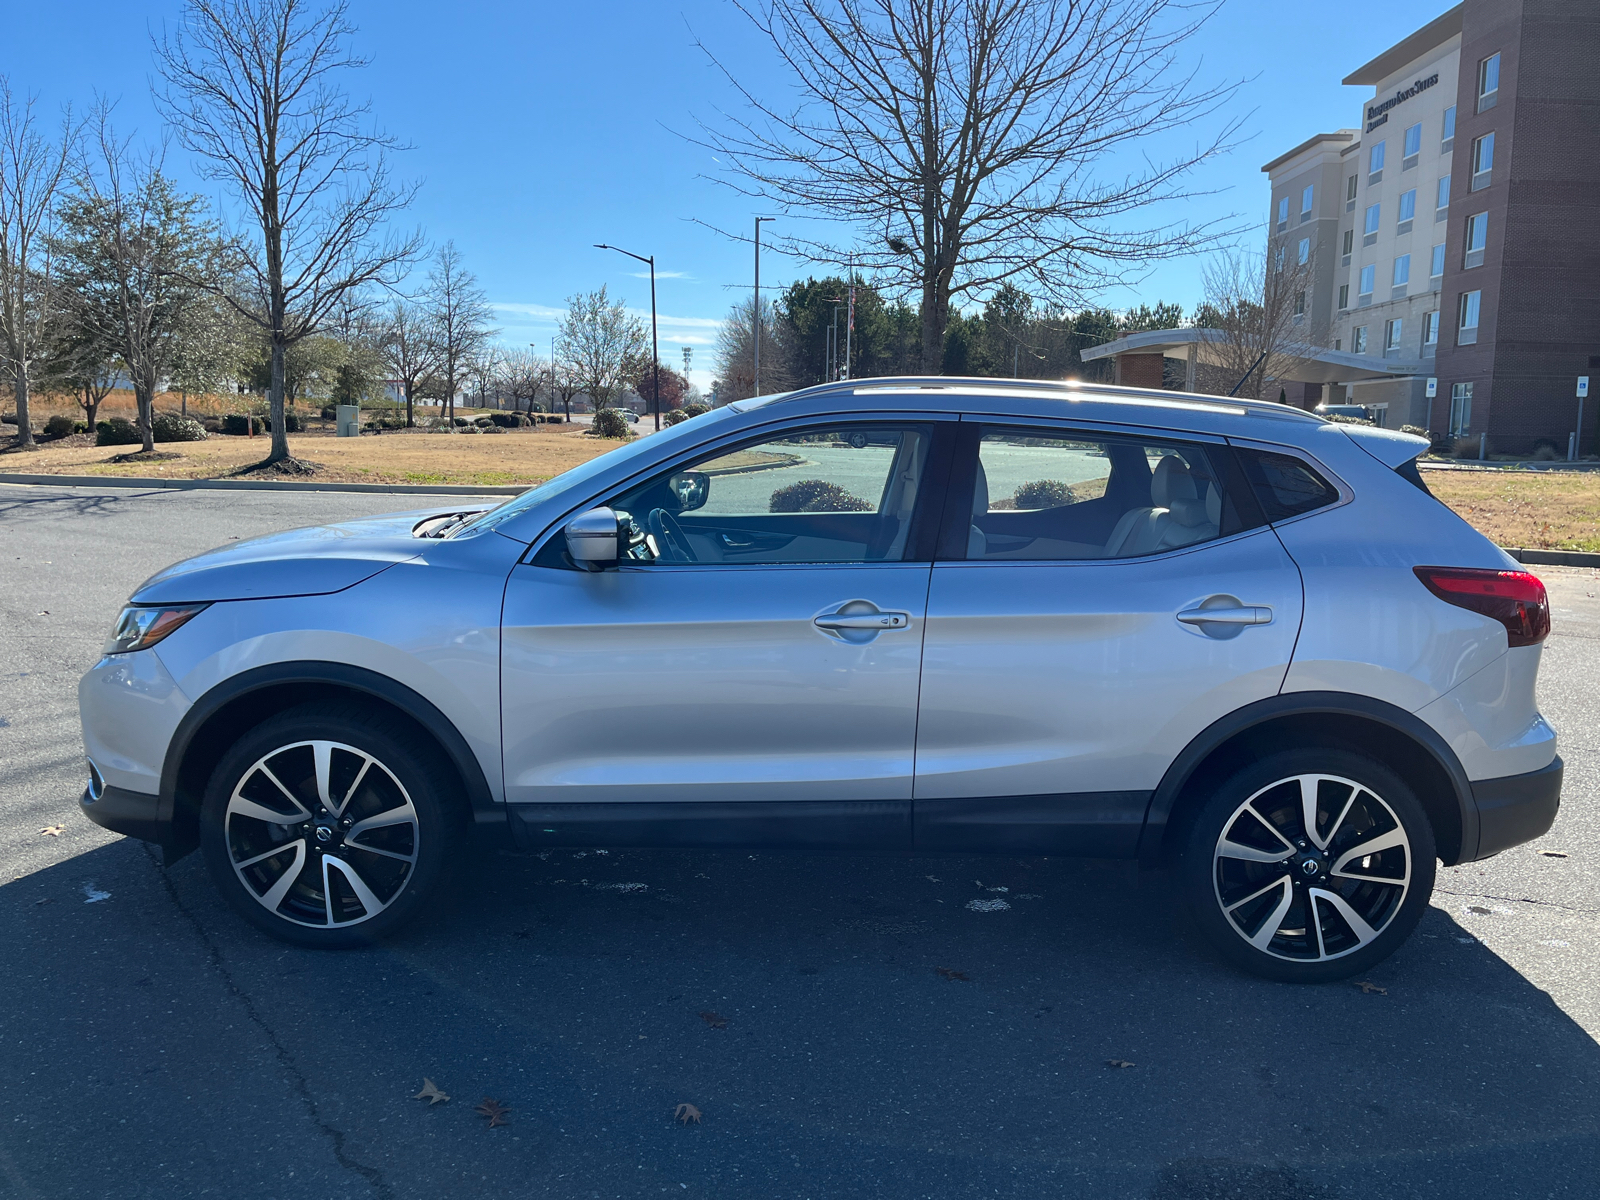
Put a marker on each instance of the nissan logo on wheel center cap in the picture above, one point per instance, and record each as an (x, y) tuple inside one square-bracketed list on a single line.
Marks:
[(324, 834), (1310, 866)]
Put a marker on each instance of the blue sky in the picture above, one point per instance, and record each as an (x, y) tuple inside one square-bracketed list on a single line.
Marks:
[(539, 129)]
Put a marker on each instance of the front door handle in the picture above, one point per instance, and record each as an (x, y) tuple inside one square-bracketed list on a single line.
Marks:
[(1244, 614), (870, 620)]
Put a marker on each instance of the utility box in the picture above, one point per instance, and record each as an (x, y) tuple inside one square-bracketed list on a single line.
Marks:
[(349, 420)]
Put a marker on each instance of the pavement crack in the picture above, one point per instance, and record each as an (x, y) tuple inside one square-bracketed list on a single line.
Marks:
[(1588, 912), (335, 1136)]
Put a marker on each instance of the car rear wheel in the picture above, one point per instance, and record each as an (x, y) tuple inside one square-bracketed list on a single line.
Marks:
[(328, 826), (1309, 865)]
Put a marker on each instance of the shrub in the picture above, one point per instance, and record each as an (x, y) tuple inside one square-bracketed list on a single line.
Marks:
[(505, 420), (1045, 493), (8, 418), (291, 423), (60, 425), (329, 413), (238, 425), (1416, 430), (1465, 447), (609, 423), (1341, 419), (118, 431), (816, 495), (211, 424), (173, 427), (1545, 452), (694, 410), (675, 417)]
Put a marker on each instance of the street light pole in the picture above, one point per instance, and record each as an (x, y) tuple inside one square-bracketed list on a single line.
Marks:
[(755, 309), (655, 351)]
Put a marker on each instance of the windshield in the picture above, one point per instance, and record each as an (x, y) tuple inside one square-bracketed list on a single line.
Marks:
[(584, 472)]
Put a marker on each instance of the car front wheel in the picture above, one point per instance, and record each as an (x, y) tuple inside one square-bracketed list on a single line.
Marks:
[(1309, 865), (328, 826)]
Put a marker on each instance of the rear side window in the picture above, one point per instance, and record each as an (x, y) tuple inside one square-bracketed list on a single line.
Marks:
[(1284, 485)]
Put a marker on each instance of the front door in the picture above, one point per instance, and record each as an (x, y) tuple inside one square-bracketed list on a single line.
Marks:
[(749, 675), (1110, 603)]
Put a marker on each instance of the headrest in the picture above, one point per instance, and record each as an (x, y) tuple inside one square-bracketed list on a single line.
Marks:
[(1171, 483), (980, 493)]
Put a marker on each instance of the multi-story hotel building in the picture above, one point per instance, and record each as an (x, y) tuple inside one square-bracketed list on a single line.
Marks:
[(1451, 241)]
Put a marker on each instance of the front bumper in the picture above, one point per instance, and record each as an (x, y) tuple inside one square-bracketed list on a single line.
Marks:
[(1516, 808), (138, 815)]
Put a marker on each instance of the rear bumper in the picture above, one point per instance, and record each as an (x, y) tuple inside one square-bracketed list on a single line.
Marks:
[(1516, 808)]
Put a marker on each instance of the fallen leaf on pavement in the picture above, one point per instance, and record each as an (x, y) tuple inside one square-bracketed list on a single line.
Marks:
[(947, 973), (1479, 909), (1368, 988), (430, 1092), (1552, 854), (52, 830), (687, 1113), (494, 1110), (714, 1020), (1119, 1063)]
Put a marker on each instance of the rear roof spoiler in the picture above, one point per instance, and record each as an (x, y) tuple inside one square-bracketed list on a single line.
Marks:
[(1389, 446)]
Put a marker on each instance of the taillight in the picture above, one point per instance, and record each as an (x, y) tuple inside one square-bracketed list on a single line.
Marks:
[(1514, 598)]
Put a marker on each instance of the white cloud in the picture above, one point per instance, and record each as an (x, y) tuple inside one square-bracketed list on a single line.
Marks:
[(519, 319), (662, 275)]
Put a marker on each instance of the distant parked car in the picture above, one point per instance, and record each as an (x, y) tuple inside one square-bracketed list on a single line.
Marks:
[(944, 616)]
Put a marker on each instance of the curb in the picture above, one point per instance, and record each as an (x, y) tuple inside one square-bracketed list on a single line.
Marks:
[(1531, 465), (262, 485), (1553, 558)]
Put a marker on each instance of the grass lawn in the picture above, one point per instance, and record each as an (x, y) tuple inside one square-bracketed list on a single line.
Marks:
[(513, 457), (1543, 510)]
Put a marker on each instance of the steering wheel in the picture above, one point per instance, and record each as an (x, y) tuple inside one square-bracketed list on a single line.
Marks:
[(670, 538)]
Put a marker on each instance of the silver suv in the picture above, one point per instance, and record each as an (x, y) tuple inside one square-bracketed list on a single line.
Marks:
[(942, 616)]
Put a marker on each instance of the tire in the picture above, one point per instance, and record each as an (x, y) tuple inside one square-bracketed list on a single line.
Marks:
[(362, 866), (1252, 873)]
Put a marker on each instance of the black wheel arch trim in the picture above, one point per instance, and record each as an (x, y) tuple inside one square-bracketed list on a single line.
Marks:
[(1296, 704), (486, 811)]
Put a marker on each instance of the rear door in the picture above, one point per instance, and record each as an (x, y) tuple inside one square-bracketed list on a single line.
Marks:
[(1099, 600)]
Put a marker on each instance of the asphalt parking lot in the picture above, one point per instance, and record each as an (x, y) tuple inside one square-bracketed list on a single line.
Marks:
[(847, 1027)]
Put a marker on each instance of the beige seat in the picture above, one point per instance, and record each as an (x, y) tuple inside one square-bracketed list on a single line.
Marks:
[(1177, 516)]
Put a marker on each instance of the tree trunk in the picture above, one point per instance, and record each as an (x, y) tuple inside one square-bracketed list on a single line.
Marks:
[(144, 400), (24, 429), (409, 390), (280, 433), (91, 407)]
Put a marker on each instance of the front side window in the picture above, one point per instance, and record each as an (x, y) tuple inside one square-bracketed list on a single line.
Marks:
[(818, 494), (1436, 267), (1488, 82), (1369, 276), (1477, 239), (1358, 339), (1467, 311), (1460, 409), (1306, 197), (1374, 213), (1408, 205), (1414, 140), (1402, 270), (1482, 161), (1039, 495), (1375, 158)]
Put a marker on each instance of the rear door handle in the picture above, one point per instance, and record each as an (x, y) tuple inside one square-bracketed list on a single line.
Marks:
[(870, 620), (1245, 614)]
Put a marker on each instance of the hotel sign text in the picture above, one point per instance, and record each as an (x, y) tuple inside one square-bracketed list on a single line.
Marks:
[(1377, 114)]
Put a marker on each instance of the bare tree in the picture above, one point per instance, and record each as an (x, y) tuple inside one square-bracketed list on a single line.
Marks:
[(735, 343), (411, 352), (33, 172), (1254, 316), (602, 346), (137, 254), (564, 382), (251, 87), (81, 359), (460, 315), (963, 143), (483, 369), (520, 374)]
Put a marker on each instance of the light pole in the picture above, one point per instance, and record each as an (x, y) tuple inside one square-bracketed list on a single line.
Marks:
[(833, 337), (755, 309), (655, 357)]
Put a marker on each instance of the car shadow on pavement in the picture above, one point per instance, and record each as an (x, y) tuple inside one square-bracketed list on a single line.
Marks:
[(866, 1026)]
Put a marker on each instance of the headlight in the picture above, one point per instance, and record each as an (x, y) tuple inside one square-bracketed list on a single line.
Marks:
[(139, 627)]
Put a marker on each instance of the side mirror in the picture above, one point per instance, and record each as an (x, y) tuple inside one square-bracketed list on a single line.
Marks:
[(592, 539), (691, 488)]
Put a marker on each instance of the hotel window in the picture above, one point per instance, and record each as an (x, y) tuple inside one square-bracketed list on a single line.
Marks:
[(1299, 305), (1350, 194), (1358, 339), (1430, 333), (1402, 272), (1408, 210), (1306, 199), (1369, 231), (1277, 259), (1441, 202), (1392, 335), (1448, 137), (1348, 245), (1467, 318), (1344, 296), (1305, 251), (1413, 146), (1488, 82), (1283, 212), (1375, 163), (1460, 409), (1482, 161), (1477, 239), (1369, 275), (1436, 267)]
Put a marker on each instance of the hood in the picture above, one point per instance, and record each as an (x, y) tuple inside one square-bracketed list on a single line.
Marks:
[(299, 562)]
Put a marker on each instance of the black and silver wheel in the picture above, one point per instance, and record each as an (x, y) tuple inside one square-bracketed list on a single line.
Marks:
[(325, 826), (1310, 865)]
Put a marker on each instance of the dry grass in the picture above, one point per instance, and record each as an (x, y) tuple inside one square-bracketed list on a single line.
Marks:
[(492, 459), (1545, 510)]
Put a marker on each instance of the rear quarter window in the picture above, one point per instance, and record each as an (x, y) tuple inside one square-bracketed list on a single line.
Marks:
[(1285, 486)]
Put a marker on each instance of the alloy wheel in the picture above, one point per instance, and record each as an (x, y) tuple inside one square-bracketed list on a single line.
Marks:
[(1312, 867), (321, 834)]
